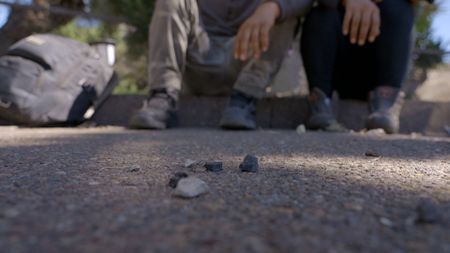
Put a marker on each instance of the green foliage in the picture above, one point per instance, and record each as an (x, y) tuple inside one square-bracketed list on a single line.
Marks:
[(425, 41), (131, 70), (87, 34), (132, 61), (138, 14)]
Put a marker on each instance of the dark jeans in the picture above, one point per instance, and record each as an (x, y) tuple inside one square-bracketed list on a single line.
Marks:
[(333, 63)]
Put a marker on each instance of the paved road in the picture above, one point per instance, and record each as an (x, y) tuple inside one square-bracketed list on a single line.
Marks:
[(73, 190)]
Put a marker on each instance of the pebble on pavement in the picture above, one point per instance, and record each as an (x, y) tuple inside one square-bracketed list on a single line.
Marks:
[(427, 212), (250, 164), (194, 165), (371, 153), (301, 129), (190, 163), (386, 222), (215, 166), (135, 168), (173, 182), (190, 187)]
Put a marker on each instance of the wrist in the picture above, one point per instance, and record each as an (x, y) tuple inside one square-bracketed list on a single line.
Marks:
[(274, 8)]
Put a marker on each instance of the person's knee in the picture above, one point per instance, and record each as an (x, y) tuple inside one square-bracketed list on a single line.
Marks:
[(322, 18), (166, 5), (397, 12), (323, 13), (171, 5)]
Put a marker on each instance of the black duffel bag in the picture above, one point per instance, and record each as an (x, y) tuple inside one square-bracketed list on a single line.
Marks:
[(50, 80)]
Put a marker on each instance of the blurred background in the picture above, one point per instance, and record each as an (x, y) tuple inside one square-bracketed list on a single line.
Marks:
[(126, 21)]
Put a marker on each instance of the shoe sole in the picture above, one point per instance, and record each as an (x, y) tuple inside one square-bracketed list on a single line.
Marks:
[(319, 123), (235, 126), (141, 123), (235, 123), (376, 124)]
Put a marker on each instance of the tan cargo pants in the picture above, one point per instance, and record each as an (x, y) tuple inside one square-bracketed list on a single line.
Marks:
[(182, 53)]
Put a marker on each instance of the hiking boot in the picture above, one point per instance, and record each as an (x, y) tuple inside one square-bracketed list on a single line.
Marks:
[(158, 111), (239, 113), (385, 104), (322, 115)]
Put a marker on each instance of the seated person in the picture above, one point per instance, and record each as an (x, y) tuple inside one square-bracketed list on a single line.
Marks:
[(216, 47), (361, 49)]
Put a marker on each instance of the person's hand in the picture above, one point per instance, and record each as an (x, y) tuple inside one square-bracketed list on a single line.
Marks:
[(253, 35), (361, 21)]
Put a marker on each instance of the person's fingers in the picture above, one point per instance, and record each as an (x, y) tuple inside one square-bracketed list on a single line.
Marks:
[(237, 45), (347, 22), (354, 29), (243, 42), (236, 49), (265, 41), (256, 42), (364, 29), (375, 26)]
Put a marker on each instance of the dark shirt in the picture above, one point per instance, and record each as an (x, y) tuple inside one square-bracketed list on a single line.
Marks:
[(224, 17)]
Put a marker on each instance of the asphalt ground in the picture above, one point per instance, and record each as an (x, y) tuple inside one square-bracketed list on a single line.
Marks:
[(106, 190)]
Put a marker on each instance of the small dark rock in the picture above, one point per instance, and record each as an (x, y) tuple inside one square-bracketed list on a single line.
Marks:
[(16, 184), (427, 212), (173, 182), (215, 166), (181, 174), (135, 169), (372, 154), (250, 164)]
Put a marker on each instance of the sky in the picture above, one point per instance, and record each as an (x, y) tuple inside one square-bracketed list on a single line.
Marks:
[(441, 23), (3, 15)]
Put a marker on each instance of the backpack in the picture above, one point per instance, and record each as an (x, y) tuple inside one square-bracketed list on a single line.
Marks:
[(48, 80)]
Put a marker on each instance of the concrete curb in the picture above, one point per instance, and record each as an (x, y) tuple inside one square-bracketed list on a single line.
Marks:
[(277, 113)]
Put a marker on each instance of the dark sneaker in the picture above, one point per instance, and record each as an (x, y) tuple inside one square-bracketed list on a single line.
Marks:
[(321, 109), (385, 104), (158, 111), (240, 112)]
